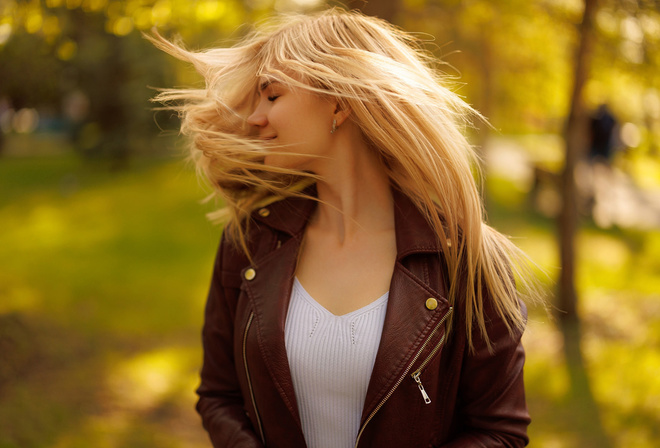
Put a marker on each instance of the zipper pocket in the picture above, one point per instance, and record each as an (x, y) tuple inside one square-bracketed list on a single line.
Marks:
[(400, 380), (249, 381), (415, 375)]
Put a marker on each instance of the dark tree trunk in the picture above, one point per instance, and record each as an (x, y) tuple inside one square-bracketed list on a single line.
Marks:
[(575, 143), (583, 405)]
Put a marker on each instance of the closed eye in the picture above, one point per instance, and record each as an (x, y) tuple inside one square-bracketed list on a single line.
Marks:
[(272, 98)]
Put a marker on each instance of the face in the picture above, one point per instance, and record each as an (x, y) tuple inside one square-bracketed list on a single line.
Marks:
[(296, 122)]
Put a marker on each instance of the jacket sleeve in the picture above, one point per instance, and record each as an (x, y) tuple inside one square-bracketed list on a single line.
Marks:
[(491, 399), (220, 403)]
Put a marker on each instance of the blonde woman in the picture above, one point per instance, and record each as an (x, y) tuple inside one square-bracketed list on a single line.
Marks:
[(358, 298)]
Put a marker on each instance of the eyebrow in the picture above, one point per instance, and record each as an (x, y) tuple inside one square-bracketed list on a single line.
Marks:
[(264, 85)]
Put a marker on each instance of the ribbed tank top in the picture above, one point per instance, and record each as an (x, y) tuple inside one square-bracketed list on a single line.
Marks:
[(331, 359)]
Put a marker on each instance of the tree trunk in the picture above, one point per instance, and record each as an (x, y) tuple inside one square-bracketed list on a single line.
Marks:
[(575, 143), (576, 139)]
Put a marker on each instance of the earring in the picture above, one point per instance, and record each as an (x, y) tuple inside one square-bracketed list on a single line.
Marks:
[(334, 126)]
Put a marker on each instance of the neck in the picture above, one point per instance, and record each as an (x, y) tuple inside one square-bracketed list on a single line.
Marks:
[(354, 193)]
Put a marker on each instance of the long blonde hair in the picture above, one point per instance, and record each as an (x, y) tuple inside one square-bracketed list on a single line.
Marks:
[(400, 101)]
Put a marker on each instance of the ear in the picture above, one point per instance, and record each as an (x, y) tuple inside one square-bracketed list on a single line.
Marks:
[(342, 112)]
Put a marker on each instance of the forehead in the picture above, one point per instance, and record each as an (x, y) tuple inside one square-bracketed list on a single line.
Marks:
[(265, 80), (280, 77)]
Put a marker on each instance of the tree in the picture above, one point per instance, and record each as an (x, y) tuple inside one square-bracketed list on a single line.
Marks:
[(575, 143), (93, 53)]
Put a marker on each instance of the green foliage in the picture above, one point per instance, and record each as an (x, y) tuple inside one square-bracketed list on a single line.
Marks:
[(515, 57)]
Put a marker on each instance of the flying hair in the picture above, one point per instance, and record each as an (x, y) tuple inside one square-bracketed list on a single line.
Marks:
[(408, 115)]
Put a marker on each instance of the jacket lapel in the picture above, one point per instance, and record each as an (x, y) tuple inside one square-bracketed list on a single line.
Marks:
[(408, 322), (270, 289), (270, 292)]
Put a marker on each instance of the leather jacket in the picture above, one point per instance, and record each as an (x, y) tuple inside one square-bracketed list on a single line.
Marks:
[(426, 389)]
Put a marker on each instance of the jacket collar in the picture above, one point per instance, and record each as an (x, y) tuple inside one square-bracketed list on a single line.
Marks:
[(413, 232)]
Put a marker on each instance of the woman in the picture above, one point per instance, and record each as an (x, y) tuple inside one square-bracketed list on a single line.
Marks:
[(358, 298)]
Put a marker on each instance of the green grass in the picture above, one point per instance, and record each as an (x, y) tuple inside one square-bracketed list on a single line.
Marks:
[(102, 286)]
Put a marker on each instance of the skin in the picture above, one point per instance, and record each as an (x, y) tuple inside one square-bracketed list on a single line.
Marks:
[(349, 247)]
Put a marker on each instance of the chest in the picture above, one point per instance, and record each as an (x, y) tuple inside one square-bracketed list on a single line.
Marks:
[(346, 277)]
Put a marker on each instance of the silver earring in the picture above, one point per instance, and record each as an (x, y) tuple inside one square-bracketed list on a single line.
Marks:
[(334, 126)]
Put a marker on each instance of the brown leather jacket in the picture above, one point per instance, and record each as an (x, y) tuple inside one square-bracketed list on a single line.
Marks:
[(425, 390)]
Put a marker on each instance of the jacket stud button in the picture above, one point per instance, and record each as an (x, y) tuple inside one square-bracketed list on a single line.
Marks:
[(250, 274), (431, 303), (264, 212)]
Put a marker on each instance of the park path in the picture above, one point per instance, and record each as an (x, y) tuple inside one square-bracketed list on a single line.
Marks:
[(617, 200)]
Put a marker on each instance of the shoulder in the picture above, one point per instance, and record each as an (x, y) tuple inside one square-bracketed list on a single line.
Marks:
[(266, 229)]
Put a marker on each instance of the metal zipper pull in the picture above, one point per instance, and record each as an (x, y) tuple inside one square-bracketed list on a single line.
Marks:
[(426, 397)]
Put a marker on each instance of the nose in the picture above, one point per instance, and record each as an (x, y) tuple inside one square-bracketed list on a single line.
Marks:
[(258, 117)]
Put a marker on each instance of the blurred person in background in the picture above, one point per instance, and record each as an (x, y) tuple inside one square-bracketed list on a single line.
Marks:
[(602, 142), (358, 297)]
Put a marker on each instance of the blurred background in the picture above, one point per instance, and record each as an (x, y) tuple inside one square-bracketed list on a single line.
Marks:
[(105, 254)]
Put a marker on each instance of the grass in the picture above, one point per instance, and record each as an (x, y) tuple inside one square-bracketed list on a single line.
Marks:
[(102, 287)]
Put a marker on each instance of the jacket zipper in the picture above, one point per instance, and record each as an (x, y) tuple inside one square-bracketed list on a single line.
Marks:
[(402, 377), (249, 381), (415, 375)]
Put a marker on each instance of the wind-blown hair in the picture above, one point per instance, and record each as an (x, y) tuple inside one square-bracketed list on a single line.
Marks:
[(399, 100)]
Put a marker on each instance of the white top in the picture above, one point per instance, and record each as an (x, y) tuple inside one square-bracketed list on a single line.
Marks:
[(331, 359)]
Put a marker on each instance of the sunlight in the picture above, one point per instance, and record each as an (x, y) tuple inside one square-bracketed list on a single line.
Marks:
[(209, 11), (142, 18), (82, 225), (544, 372), (122, 26), (5, 32), (94, 5), (161, 12), (67, 50), (33, 21), (650, 25), (48, 224), (52, 27), (145, 380), (604, 250)]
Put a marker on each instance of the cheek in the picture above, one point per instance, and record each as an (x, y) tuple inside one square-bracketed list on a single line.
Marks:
[(315, 136)]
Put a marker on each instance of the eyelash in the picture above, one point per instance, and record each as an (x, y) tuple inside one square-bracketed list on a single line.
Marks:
[(273, 98)]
